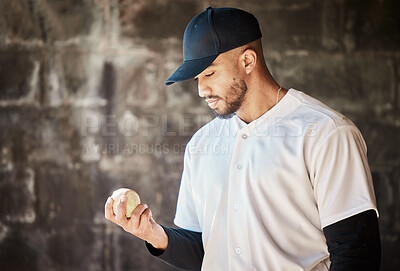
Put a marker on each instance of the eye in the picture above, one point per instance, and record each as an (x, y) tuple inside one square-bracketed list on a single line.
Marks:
[(208, 75)]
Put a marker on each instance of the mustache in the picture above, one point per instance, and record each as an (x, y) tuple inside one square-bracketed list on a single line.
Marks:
[(211, 97)]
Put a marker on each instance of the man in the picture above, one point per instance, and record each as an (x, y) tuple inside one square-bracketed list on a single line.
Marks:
[(293, 191)]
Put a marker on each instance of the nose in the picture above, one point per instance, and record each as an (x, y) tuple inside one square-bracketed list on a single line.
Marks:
[(203, 88)]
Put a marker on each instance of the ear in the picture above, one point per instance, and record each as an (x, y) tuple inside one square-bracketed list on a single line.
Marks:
[(249, 60)]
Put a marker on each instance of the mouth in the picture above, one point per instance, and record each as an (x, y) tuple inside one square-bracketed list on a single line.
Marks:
[(212, 103)]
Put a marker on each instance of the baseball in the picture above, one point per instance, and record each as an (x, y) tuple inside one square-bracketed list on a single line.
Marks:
[(133, 200)]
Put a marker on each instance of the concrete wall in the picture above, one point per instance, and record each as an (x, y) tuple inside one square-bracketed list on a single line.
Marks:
[(83, 110)]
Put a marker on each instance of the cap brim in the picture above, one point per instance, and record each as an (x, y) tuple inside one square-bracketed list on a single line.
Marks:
[(189, 69)]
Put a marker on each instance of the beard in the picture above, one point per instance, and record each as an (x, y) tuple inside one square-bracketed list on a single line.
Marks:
[(234, 98)]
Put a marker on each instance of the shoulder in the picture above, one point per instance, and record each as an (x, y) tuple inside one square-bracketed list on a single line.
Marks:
[(324, 129), (210, 131), (324, 119), (214, 137)]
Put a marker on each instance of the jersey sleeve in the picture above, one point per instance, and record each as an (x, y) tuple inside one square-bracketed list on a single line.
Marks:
[(341, 177), (186, 215)]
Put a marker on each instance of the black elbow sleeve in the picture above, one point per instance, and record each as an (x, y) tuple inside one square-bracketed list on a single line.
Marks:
[(354, 243), (184, 251)]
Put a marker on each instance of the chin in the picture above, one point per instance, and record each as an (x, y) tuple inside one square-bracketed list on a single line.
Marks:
[(224, 115)]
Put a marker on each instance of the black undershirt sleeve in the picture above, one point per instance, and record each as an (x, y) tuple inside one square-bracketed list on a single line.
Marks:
[(354, 243), (184, 251)]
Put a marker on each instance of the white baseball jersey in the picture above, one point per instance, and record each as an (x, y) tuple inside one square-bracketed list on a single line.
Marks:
[(262, 192)]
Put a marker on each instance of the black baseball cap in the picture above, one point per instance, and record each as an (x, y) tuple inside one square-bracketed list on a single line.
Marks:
[(210, 33)]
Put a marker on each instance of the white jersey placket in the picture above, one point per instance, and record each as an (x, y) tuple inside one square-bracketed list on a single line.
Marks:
[(238, 244)]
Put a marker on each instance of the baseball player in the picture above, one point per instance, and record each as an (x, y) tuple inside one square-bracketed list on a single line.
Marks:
[(293, 190)]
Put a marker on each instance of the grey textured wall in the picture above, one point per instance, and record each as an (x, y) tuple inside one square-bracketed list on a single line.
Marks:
[(83, 110)]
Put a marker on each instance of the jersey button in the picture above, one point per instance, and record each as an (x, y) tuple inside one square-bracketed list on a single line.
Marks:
[(236, 206), (244, 136), (239, 166), (238, 250)]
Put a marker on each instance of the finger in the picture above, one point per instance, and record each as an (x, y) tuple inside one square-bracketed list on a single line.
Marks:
[(108, 210), (145, 218), (121, 211), (152, 221), (136, 214)]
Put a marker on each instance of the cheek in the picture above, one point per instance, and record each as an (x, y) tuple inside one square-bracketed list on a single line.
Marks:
[(222, 85)]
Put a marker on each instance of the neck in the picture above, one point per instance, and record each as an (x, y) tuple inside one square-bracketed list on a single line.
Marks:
[(261, 96)]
